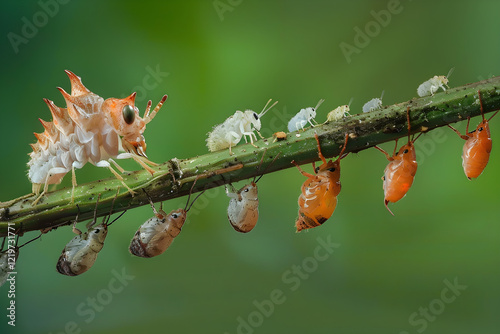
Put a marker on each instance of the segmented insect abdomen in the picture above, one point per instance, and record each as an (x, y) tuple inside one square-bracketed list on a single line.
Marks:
[(317, 203)]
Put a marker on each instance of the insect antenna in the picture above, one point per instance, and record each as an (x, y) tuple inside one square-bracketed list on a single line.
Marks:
[(148, 117), (450, 72), (148, 107), (92, 223), (190, 192), (382, 95), (27, 242), (319, 103), (268, 166), (111, 211), (263, 112)]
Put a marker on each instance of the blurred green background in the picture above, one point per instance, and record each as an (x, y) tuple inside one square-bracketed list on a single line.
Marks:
[(213, 58)]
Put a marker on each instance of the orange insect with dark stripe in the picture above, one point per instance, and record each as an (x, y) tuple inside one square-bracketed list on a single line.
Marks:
[(319, 192), (400, 172), (477, 145)]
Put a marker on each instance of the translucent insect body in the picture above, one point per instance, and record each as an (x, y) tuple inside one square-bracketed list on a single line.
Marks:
[(432, 85), (339, 113), (319, 192), (373, 104), (243, 208), (303, 117), (8, 258), (400, 172), (239, 125), (157, 233), (89, 129), (477, 147), (80, 254)]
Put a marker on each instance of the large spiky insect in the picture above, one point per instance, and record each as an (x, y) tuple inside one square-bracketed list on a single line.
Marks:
[(89, 129)]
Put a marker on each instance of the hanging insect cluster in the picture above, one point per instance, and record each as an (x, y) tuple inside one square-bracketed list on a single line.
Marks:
[(94, 130)]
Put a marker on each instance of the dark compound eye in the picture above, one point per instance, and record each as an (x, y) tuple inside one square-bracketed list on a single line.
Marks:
[(256, 116), (96, 231), (175, 215), (480, 129), (405, 151), (246, 190), (332, 169), (128, 114)]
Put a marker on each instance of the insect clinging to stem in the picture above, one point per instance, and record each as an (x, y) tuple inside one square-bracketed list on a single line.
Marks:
[(373, 104), (243, 208), (432, 85), (9, 256), (400, 172), (241, 124), (80, 254), (304, 116), (477, 147), (339, 113), (157, 233), (318, 198), (89, 129)]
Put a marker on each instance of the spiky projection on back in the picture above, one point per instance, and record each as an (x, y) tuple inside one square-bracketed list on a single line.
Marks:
[(89, 129)]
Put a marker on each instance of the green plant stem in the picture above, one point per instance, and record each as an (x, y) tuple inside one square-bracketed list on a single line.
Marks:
[(218, 168)]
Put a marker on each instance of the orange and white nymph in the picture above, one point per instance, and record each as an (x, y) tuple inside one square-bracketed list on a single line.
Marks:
[(89, 129)]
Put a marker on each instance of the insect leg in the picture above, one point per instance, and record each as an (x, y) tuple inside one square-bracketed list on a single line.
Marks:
[(157, 214), (341, 154), (94, 220), (140, 160), (458, 132), (45, 187), (75, 230), (386, 154), (250, 134), (35, 188), (104, 163), (306, 174), (320, 155), (120, 169)]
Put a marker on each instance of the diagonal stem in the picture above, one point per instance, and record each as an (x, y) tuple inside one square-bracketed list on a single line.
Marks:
[(219, 168)]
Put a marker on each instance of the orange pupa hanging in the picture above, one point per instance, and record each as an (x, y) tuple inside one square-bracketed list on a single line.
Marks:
[(400, 172), (318, 198), (477, 147)]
